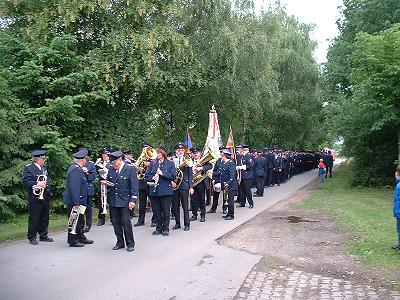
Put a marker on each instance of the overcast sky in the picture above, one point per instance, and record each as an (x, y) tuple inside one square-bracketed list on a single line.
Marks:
[(323, 13)]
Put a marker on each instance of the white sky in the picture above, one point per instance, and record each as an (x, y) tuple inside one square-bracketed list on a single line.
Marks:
[(323, 13)]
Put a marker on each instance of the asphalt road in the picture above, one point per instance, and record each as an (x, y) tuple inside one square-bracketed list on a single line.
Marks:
[(185, 265)]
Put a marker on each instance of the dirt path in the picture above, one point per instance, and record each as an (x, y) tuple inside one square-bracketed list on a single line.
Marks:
[(306, 255)]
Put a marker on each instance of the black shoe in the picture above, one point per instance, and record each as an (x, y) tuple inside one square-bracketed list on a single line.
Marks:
[(187, 228), (118, 246), (33, 242), (130, 248), (46, 239), (156, 232), (86, 229), (101, 222), (229, 218), (211, 211), (138, 224), (165, 233), (87, 241), (193, 218), (202, 219), (76, 245), (251, 206), (153, 225), (240, 205), (176, 227)]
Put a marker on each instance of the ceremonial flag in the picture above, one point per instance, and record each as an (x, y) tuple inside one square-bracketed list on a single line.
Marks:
[(214, 140), (231, 144), (188, 141)]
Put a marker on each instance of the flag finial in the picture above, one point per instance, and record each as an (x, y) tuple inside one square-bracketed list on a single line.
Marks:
[(213, 108)]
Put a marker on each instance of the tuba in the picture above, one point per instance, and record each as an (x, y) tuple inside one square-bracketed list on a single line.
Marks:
[(74, 217), (147, 154), (200, 176), (187, 162), (37, 190)]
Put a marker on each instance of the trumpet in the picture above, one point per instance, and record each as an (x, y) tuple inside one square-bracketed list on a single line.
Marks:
[(74, 217), (38, 191), (103, 194), (187, 162), (147, 154)]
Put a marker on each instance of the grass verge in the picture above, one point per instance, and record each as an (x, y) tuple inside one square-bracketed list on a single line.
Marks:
[(17, 227), (366, 213)]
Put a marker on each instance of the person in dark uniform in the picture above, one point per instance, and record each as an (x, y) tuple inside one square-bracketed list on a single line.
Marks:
[(35, 178), (159, 176), (239, 163), (181, 195), (128, 159), (102, 165), (247, 175), (216, 178), (329, 164), (75, 194), (270, 157), (122, 197), (91, 173), (229, 182), (199, 200), (143, 194), (260, 168), (278, 165)]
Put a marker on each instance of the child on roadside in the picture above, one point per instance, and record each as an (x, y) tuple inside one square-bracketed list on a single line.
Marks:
[(321, 170), (396, 204)]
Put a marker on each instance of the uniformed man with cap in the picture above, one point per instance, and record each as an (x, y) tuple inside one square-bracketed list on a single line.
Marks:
[(229, 181), (102, 165), (216, 180), (35, 178), (121, 197), (159, 176), (246, 170), (75, 194), (260, 169), (199, 200), (181, 195)]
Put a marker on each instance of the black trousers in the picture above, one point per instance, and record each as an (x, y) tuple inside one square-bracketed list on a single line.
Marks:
[(142, 205), (79, 236), (181, 197), (89, 211), (328, 169), (215, 200), (38, 221), (245, 190), (122, 225), (208, 197), (231, 204), (277, 177), (161, 210), (260, 185), (199, 200), (270, 176)]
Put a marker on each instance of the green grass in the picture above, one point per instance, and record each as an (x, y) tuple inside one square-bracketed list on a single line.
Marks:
[(366, 213), (17, 227)]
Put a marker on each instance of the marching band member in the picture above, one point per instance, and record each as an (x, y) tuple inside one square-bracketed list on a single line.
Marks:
[(39, 193), (229, 182), (159, 176), (91, 173), (101, 165), (181, 194), (260, 172), (75, 194), (128, 159), (199, 200), (246, 174), (216, 178), (122, 197)]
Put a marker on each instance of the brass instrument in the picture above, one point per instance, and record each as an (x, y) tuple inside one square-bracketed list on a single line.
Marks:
[(147, 154), (38, 191), (103, 171), (103, 194), (200, 176), (187, 162), (225, 196), (74, 216)]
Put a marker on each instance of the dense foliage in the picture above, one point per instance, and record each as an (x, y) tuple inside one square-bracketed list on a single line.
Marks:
[(100, 72), (362, 84)]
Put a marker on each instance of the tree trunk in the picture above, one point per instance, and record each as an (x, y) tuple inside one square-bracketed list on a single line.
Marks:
[(168, 127)]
